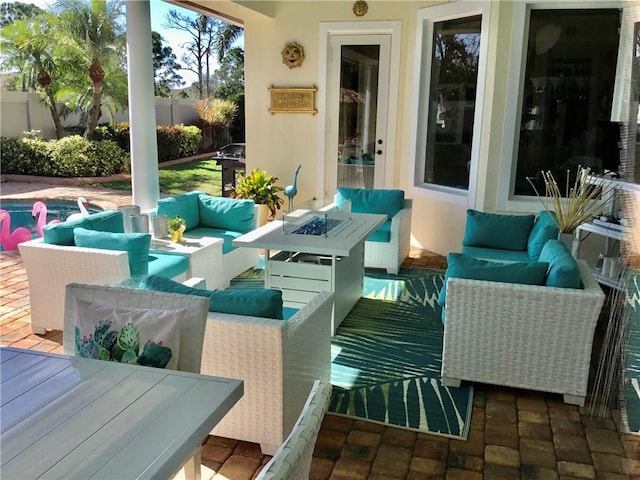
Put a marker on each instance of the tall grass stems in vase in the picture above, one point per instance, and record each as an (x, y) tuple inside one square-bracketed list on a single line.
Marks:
[(589, 195)]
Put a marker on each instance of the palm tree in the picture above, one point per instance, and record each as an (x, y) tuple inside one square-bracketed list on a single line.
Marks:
[(93, 34), (226, 36), (26, 44)]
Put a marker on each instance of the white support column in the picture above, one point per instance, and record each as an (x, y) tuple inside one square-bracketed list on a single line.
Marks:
[(142, 112)]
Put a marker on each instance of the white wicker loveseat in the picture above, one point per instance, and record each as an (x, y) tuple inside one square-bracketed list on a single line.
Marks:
[(522, 336)]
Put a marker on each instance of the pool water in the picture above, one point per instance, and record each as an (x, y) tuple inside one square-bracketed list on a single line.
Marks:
[(20, 212)]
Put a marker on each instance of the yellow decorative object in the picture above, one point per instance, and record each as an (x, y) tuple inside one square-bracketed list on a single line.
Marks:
[(176, 235)]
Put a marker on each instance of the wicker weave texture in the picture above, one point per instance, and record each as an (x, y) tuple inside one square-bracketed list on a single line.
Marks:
[(234, 262), (278, 361), (292, 461), (390, 255), (522, 336), (191, 327), (50, 267)]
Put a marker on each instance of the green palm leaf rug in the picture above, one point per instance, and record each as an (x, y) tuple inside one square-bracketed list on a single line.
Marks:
[(386, 356)]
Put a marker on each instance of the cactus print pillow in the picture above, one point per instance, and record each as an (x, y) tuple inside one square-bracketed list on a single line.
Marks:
[(140, 336)]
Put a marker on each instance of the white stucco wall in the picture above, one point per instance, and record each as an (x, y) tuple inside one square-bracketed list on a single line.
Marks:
[(280, 142)]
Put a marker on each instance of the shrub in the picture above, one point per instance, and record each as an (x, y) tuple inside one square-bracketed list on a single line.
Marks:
[(190, 140), (115, 131), (76, 156), (177, 141), (24, 156)]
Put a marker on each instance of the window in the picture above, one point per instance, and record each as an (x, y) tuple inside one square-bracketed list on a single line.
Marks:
[(452, 100), (567, 97), (452, 48)]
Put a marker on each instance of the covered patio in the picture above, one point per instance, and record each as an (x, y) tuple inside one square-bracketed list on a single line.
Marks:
[(514, 434)]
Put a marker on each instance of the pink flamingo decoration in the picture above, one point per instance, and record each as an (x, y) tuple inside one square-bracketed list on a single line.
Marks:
[(40, 212), (9, 239)]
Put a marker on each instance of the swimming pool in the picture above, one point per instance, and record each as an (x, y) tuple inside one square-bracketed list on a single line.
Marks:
[(20, 212)]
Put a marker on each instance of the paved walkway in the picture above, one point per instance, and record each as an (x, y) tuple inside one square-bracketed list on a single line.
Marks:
[(514, 434)]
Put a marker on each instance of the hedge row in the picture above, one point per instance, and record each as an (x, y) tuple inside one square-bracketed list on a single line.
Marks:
[(174, 141), (72, 156), (75, 156)]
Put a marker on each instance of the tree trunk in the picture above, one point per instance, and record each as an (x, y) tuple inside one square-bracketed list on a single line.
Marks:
[(94, 111), (55, 115)]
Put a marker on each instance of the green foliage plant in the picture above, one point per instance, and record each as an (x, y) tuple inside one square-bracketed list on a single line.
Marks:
[(261, 188), (174, 223)]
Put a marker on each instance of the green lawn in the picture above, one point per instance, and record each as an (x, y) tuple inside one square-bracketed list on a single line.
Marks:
[(203, 175)]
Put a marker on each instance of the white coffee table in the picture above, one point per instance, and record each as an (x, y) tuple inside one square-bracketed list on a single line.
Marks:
[(303, 265), (205, 257)]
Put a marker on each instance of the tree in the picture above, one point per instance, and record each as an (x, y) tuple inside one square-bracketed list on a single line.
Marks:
[(203, 31), (92, 37), (229, 77), (26, 44), (227, 35), (164, 67), (11, 11)]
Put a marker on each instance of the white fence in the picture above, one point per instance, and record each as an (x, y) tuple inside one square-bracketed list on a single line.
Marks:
[(24, 111)]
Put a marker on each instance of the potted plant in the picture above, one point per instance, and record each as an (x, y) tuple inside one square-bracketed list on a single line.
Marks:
[(176, 226), (262, 189), (581, 201)]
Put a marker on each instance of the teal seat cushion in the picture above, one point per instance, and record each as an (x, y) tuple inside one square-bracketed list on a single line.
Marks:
[(135, 244), (544, 229), (226, 235), (496, 254), (382, 233), (364, 200), (463, 266), (167, 265), (252, 302), (227, 213), (509, 232), (563, 268), (62, 233), (186, 205)]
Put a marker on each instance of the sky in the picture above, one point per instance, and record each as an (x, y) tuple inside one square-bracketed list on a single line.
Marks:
[(171, 37)]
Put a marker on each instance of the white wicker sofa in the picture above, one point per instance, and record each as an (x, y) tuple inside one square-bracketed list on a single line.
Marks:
[(50, 267), (522, 336)]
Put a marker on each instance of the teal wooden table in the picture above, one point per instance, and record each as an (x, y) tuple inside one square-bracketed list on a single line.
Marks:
[(70, 417)]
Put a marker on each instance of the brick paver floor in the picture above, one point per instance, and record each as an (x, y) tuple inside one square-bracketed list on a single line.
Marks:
[(514, 434)]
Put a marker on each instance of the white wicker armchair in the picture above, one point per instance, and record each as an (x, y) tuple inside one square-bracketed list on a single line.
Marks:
[(390, 255), (278, 361), (522, 336), (292, 461)]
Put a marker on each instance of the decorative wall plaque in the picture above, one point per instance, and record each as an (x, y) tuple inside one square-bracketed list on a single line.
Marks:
[(293, 100)]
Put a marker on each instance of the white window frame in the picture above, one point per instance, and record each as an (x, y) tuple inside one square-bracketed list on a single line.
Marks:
[(513, 99), (426, 17)]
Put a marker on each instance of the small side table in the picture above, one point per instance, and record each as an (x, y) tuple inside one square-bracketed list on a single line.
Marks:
[(205, 257)]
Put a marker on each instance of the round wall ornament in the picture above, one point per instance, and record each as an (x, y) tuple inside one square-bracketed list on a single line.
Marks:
[(360, 8), (292, 54)]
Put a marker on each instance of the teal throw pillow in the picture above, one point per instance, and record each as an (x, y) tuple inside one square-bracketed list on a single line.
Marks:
[(62, 233), (563, 268), (366, 200), (463, 266), (135, 244), (492, 230), (252, 302), (107, 221), (544, 229), (232, 214), (185, 205)]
